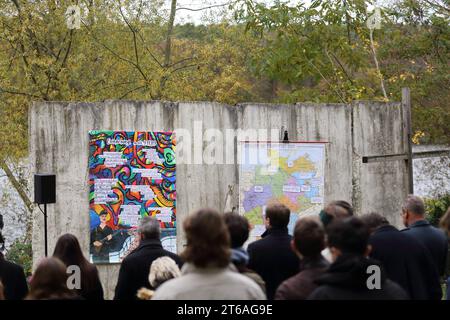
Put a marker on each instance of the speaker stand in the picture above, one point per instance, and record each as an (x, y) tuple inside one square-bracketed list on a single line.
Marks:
[(45, 229)]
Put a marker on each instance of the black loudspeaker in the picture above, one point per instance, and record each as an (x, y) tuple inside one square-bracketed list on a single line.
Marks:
[(44, 188)]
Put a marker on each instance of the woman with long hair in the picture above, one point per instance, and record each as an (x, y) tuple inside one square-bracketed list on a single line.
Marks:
[(68, 250), (49, 282)]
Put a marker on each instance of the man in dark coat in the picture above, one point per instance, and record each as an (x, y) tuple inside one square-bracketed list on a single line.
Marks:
[(135, 268), (308, 242), (434, 239), (271, 257), (352, 276), (405, 260), (12, 278)]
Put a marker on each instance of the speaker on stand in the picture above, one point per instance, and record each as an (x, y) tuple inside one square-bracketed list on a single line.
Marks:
[(44, 193)]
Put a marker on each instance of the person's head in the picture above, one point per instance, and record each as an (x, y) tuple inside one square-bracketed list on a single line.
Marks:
[(103, 215), (238, 228), (149, 228), (309, 238), (334, 210), (277, 216), (68, 250), (161, 270), (208, 241), (49, 281), (348, 236), (413, 210), (374, 220), (445, 222)]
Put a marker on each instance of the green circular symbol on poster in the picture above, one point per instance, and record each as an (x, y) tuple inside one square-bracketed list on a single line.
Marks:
[(169, 156)]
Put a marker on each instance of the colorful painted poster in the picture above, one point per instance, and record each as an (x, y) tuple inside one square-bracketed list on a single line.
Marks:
[(131, 175), (287, 173)]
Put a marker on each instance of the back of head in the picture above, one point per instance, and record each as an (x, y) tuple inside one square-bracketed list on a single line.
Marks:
[(49, 281), (68, 250), (374, 220), (349, 235), (161, 270), (309, 237), (238, 228), (278, 215), (338, 209), (415, 205), (208, 241), (149, 228)]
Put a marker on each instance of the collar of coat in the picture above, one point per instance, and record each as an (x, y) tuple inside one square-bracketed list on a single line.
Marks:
[(191, 268), (386, 227), (275, 231), (313, 263), (155, 243), (420, 223)]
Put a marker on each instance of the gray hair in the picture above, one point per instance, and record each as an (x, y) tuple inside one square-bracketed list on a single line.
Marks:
[(149, 228), (161, 270), (374, 220), (414, 204)]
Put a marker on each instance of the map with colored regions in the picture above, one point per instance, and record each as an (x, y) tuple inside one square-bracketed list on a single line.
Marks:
[(288, 173)]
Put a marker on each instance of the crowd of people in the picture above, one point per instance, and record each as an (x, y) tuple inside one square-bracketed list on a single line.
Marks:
[(334, 256)]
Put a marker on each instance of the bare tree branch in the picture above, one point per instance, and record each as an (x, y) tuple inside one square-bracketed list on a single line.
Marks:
[(16, 184), (374, 54), (3, 90), (205, 8)]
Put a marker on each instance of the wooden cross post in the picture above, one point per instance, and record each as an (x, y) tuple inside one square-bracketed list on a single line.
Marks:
[(407, 136), (408, 156)]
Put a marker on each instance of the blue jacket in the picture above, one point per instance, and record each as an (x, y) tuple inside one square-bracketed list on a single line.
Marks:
[(433, 239), (407, 262), (272, 258)]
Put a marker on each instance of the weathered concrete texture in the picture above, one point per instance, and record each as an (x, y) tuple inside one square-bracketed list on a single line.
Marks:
[(381, 186), (59, 144)]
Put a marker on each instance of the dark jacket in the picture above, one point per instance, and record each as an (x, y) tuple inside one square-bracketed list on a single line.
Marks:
[(272, 258), (135, 268), (13, 279), (433, 239), (346, 279), (406, 262), (300, 286)]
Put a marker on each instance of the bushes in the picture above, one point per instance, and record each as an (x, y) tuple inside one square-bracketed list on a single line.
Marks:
[(436, 207), (20, 252)]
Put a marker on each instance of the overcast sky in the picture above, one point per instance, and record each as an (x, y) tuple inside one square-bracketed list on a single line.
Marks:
[(198, 17), (216, 13)]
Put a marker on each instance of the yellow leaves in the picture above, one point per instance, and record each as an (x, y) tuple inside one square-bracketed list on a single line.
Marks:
[(417, 136)]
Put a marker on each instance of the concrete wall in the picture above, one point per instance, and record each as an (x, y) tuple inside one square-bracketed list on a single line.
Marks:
[(59, 144)]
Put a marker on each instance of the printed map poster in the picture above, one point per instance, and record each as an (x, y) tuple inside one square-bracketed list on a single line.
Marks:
[(131, 175), (287, 173)]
